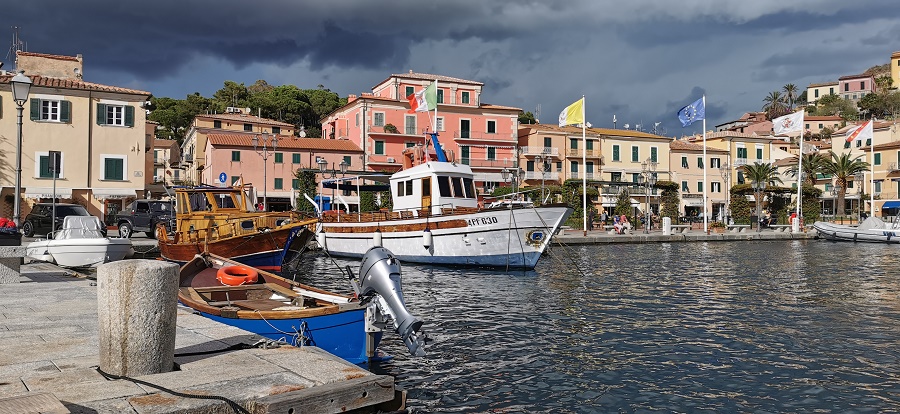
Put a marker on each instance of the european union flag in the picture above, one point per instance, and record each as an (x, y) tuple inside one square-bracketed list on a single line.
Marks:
[(691, 113)]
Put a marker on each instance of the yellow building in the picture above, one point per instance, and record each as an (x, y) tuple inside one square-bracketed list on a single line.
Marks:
[(99, 130), (687, 166)]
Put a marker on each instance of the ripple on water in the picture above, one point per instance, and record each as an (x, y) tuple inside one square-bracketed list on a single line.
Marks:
[(684, 327)]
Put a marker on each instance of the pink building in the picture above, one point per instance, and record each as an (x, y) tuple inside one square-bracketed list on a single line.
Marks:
[(481, 135), (272, 176), (854, 87)]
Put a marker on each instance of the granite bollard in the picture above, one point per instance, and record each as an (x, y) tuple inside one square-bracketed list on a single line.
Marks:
[(136, 306)]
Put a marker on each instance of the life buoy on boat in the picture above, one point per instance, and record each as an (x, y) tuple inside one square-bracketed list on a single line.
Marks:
[(237, 275)]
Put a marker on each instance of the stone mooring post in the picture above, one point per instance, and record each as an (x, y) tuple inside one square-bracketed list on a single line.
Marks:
[(136, 306)]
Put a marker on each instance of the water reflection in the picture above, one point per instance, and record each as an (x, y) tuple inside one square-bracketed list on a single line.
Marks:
[(747, 326)]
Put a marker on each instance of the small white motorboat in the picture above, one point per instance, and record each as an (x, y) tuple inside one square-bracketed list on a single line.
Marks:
[(872, 230), (80, 243)]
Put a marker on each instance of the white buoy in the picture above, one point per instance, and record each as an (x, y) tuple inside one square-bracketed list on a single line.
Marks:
[(427, 239), (377, 238), (320, 238)]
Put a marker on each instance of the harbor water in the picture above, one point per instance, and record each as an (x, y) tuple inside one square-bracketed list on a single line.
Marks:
[(782, 326)]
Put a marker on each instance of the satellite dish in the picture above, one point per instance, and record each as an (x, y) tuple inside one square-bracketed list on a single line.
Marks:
[(626, 126), (302, 134)]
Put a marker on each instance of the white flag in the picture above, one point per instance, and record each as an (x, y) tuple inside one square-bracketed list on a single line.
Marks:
[(864, 131), (788, 123)]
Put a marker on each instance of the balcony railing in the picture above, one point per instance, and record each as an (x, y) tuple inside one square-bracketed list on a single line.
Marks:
[(383, 159), (740, 162), (536, 175), (632, 189), (577, 174), (531, 151), (463, 134), (479, 163), (576, 152)]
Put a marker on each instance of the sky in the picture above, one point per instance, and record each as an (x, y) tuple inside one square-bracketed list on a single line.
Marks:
[(639, 61)]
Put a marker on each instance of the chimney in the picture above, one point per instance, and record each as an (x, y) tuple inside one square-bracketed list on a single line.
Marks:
[(351, 98)]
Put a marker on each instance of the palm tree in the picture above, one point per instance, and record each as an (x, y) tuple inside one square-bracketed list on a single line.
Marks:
[(774, 106), (812, 165), (761, 173), (842, 167), (790, 95)]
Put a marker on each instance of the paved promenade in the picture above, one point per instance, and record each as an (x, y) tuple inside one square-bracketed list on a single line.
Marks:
[(48, 343), (572, 236)]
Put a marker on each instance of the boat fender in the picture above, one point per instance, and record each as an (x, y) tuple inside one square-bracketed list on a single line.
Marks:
[(237, 275), (377, 238), (320, 238), (427, 239)]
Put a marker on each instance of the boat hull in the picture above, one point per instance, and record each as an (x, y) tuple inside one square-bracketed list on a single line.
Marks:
[(80, 252), (837, 232), (342, 334), (514, 238), (265, 250)]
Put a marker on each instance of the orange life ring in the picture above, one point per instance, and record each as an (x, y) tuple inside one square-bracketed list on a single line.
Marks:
[(237, 275)]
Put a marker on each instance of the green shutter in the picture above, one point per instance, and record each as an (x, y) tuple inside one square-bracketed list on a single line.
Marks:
[(295, 158), (113, 169), (101, 114), (279, 157), (65, 112), (45, 167), (278, 184), (347, 159), (129, 116), (295, 184), (615, 152), (35, 109)]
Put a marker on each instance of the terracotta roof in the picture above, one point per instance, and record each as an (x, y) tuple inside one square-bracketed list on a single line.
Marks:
[(679, 145), (59, 83), (44, 55), (816, 85), (164, 143), (244, 118), (430, 77), (784, 162), (861, 75), (725, 134), (492, 106), (887, 146), (821, 118), (876, 125), (284, 142)]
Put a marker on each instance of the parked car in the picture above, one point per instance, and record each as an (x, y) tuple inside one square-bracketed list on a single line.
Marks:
[(143, 215), (39, 220)]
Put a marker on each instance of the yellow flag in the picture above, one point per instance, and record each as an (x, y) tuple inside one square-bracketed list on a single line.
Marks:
[(573, 114)]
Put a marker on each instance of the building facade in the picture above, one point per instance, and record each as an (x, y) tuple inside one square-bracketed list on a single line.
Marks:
[(687, 170)]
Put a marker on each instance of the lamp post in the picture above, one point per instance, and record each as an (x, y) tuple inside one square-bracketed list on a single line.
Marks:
[(323, 165), (261, 145), (21, 85), (513, 176), (859, 179), (648, 175), (835, 192), (758, 188), (543, 161), (725, 172), (343, 167)]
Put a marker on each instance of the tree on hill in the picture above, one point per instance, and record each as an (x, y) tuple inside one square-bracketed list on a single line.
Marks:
[(774, 105), (526, 118), (790, 95)]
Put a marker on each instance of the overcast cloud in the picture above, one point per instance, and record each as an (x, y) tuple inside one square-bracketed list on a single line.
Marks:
[(640, 60)]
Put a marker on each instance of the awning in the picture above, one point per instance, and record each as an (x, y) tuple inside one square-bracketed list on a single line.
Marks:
[(693, 201), (112, 193), (611, 202), (47, 192), (891, 204)]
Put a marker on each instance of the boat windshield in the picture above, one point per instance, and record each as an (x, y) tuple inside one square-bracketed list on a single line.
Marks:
[(224, 200)]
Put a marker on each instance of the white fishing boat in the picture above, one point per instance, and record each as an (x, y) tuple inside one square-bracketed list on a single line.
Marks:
[(80, 243), (871, 230), (436, 219)]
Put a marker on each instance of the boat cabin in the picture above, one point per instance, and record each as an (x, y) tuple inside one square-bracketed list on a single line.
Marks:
[(226, 211), (435, 186)]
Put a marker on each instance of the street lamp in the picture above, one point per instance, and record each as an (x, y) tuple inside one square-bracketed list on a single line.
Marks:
[(859, 179), (263, 151), (725, 172), (758, 188), (343, 168), (21, 85), (513, 176), (835, 192), (648, 174)]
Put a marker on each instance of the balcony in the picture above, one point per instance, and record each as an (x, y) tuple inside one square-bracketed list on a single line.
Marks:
[(462, 135), (634, 189), (893, 167), (478, 163), (532, 151), (740, 162), (579, 175), (384, 160), (576, 152), (536, 175)]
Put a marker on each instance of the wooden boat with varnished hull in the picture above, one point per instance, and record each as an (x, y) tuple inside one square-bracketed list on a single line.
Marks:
[(222, 221)]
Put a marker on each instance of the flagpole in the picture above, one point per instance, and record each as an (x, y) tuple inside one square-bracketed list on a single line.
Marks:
[(872, 164), (705, 182), (584, 211), (800, 177)]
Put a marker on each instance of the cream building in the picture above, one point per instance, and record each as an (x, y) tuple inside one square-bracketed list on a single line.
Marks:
[(687, 170), (99, 130)]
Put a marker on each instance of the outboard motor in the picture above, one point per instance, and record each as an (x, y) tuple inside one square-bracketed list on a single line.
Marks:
[(379, 278)]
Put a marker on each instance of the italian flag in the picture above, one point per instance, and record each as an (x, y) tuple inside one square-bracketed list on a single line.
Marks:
[(424, 100)]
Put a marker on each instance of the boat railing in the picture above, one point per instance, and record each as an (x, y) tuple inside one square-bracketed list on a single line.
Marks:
[(383, 215), (240, 226)]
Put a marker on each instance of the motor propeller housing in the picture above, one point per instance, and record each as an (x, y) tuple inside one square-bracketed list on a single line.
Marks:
[(379, 274)]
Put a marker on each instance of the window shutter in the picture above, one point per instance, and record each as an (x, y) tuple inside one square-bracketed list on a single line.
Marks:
[(129, 116), (101, 114), (35, 109), (65, 112)]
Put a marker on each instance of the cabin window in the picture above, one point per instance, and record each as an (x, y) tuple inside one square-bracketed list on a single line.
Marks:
[(469, 186), (409, 187), (247, 225), (457, 187), (224, 200), (401, 189), (444, 185)]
